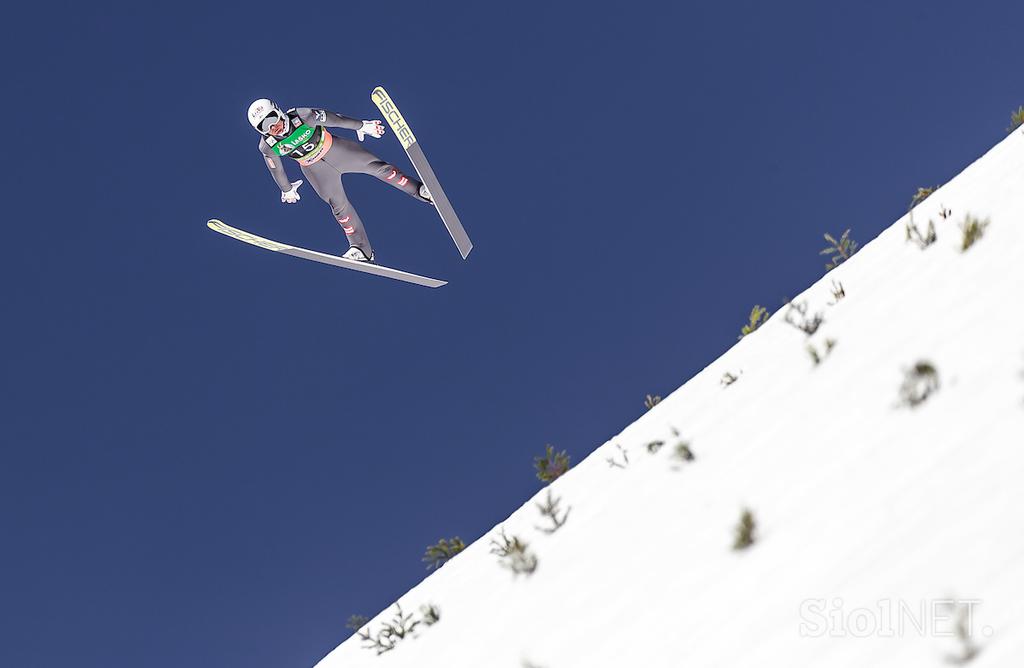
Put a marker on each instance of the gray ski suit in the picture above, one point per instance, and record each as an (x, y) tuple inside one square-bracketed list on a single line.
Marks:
[(324, 158)]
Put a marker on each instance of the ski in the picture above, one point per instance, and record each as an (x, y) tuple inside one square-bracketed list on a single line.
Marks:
[(315, 256), (401, 129)]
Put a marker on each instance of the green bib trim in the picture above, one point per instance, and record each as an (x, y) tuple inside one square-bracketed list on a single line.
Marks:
[(295, 141)]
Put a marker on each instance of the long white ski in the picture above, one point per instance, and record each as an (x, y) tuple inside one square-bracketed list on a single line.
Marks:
[(404, 133), (315, 256)]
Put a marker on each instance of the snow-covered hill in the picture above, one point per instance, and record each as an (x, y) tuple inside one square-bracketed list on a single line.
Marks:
[(878, 524)]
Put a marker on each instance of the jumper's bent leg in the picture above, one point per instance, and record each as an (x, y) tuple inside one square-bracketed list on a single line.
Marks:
[(349, 157), (392, 176), (326, 181)]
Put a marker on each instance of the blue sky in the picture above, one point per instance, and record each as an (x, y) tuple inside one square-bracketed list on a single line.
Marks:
[(213, 455)]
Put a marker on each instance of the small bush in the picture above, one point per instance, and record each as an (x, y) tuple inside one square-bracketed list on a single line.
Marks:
[(439, 554), (356, 622), (745, 531), (968, 649), (927, 238), (923, 240), (817, 357), (551, 511), (683, 452), (797, 316), (514, 554), (973, 230), (758, 316), (1016, 119), (838, 292), (651, 401), (431, 614), (919, 383), (728, 379), (625, 459), (921, 195), (551, 466), (391, 633), (841, 250)]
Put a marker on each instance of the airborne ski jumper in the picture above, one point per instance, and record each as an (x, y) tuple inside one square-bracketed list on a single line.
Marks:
[(302, 134)]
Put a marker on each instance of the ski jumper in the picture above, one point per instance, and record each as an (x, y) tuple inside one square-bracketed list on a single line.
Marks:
[(324, 158)]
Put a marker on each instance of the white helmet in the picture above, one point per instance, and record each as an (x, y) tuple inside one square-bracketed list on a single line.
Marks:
[(260, 110)]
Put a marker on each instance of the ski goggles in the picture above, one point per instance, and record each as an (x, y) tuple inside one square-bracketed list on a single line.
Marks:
[(272, 119)]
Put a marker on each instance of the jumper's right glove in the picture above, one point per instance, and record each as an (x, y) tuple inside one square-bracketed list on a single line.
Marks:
[(373, 128), (292, 196)]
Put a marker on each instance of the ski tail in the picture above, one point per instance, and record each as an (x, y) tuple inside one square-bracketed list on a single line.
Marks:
[(324, 258), (413, 149)]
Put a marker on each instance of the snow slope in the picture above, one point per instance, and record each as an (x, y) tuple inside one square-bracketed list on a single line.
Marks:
[(869, 514)]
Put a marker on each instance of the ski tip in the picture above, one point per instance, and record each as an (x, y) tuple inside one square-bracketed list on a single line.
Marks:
[(213, 222)]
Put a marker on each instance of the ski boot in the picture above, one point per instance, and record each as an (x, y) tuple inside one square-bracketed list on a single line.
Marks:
[(356, 253), (425, 194)]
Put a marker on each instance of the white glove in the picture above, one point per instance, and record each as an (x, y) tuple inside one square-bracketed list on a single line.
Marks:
[(292, 196), (373, 128)]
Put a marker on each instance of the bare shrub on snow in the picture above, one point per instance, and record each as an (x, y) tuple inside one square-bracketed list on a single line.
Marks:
[(919, 382), (973, 229), (399, 628), (840, 250), (758, 316), (553, 513), (514, 554), (437, 555), (552, 465), (797, 316), (745, 531)]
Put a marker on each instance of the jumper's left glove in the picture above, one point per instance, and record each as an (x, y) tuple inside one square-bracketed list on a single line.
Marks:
[(292, 196), (373, 128)]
